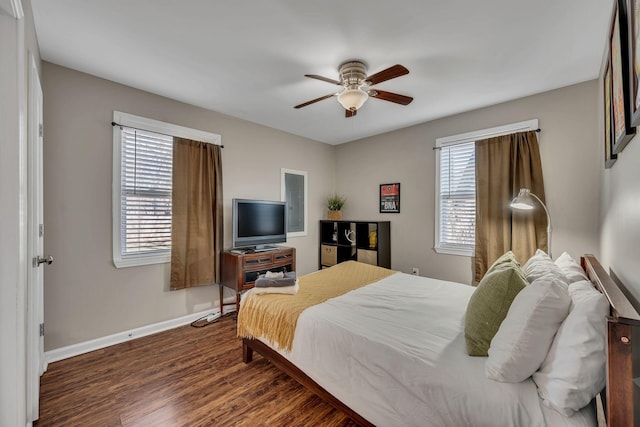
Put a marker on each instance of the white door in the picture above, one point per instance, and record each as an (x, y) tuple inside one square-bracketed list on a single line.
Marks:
[(36, 364)]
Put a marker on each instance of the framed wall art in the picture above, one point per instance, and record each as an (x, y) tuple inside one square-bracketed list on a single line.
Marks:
[(390, 198), (294, 191), (632, 10), (620, 98), (609, 157)]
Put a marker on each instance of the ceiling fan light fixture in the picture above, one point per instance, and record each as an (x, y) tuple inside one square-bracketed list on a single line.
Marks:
[(356, 86), (352, 99)]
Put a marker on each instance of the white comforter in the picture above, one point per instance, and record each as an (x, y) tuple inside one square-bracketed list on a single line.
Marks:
[(394, 352)]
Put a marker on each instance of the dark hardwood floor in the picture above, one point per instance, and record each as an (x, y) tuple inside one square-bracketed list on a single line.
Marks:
[(183, 377)]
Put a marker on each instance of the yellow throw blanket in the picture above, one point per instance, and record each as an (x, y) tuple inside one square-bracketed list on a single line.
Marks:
[(274, 316)]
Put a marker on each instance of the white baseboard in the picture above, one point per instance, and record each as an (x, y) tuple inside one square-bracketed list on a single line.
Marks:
[(98, 343)]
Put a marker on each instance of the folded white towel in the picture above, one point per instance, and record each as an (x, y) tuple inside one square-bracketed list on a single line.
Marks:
[(289, 290), (274, 275)]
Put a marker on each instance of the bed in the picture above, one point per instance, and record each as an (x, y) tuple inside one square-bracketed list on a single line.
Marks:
[(391, 351)]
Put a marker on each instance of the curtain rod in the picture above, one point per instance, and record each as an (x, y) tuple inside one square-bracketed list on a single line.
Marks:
[(159, 133), (483, 137)]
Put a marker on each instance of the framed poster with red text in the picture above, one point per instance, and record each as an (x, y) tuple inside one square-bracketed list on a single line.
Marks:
[(390, 198)]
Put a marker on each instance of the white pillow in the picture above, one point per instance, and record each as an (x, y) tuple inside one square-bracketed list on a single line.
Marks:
[(570, 268), (525, 335), (540, 264), (574, 370)]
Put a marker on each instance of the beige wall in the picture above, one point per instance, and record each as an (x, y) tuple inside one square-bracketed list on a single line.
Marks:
[(620, 217), (620, 207), (571, 162), (86, 297)]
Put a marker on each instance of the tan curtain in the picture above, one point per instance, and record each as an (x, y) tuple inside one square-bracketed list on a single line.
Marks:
[(196, 225), (505, 164)]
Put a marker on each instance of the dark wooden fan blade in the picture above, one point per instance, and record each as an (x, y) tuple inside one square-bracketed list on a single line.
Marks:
[(390, 96), (315, 100), (324, 79), (388, 74), (349, 113)]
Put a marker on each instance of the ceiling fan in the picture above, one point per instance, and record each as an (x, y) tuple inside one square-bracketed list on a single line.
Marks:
[(357, 86)]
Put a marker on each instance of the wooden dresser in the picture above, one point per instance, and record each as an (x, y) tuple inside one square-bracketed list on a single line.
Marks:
[(240, 270)]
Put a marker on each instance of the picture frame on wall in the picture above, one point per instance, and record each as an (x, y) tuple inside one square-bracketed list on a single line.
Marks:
[(609, 157), (620, 98), (632, 10), (390, 198)]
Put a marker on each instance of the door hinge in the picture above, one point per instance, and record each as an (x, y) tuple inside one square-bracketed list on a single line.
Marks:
[(41, 130), (41, 230), (41, 329)]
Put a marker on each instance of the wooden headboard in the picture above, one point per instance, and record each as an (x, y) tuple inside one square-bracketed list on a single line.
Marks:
[(619, 409)]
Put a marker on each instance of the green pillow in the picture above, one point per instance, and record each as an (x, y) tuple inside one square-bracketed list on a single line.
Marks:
[(506, 260), (489, 304)]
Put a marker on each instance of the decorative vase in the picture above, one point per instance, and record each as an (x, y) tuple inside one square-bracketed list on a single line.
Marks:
[(334, 215)]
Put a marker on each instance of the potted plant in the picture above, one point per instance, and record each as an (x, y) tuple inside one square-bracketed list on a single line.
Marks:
[(334, 206)]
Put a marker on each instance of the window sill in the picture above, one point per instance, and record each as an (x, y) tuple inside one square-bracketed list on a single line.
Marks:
[(454, 251), (139, 260)]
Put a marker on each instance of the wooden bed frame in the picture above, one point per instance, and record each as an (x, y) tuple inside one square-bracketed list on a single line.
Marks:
[(618, 400)]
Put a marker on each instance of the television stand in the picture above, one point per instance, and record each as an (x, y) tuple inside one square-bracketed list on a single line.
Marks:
[(240, 270)]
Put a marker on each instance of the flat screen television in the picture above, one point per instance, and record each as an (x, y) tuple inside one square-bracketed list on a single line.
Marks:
[(258, 223)]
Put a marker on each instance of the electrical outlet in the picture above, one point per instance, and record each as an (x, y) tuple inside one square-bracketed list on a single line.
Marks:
[(415, 271)]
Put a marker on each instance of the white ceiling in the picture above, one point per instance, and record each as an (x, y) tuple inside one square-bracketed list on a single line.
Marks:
[(247, 58)]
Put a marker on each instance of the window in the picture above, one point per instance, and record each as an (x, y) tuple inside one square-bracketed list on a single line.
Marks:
[(142, 185), (455, 223), (457, 199), (145, 194), (293, 190)]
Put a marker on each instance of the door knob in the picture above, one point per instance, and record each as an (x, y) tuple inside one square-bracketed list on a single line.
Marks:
[(42, 260)]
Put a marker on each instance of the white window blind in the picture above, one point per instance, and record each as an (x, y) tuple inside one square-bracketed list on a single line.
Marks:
[(147, 159), (457, 199)]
